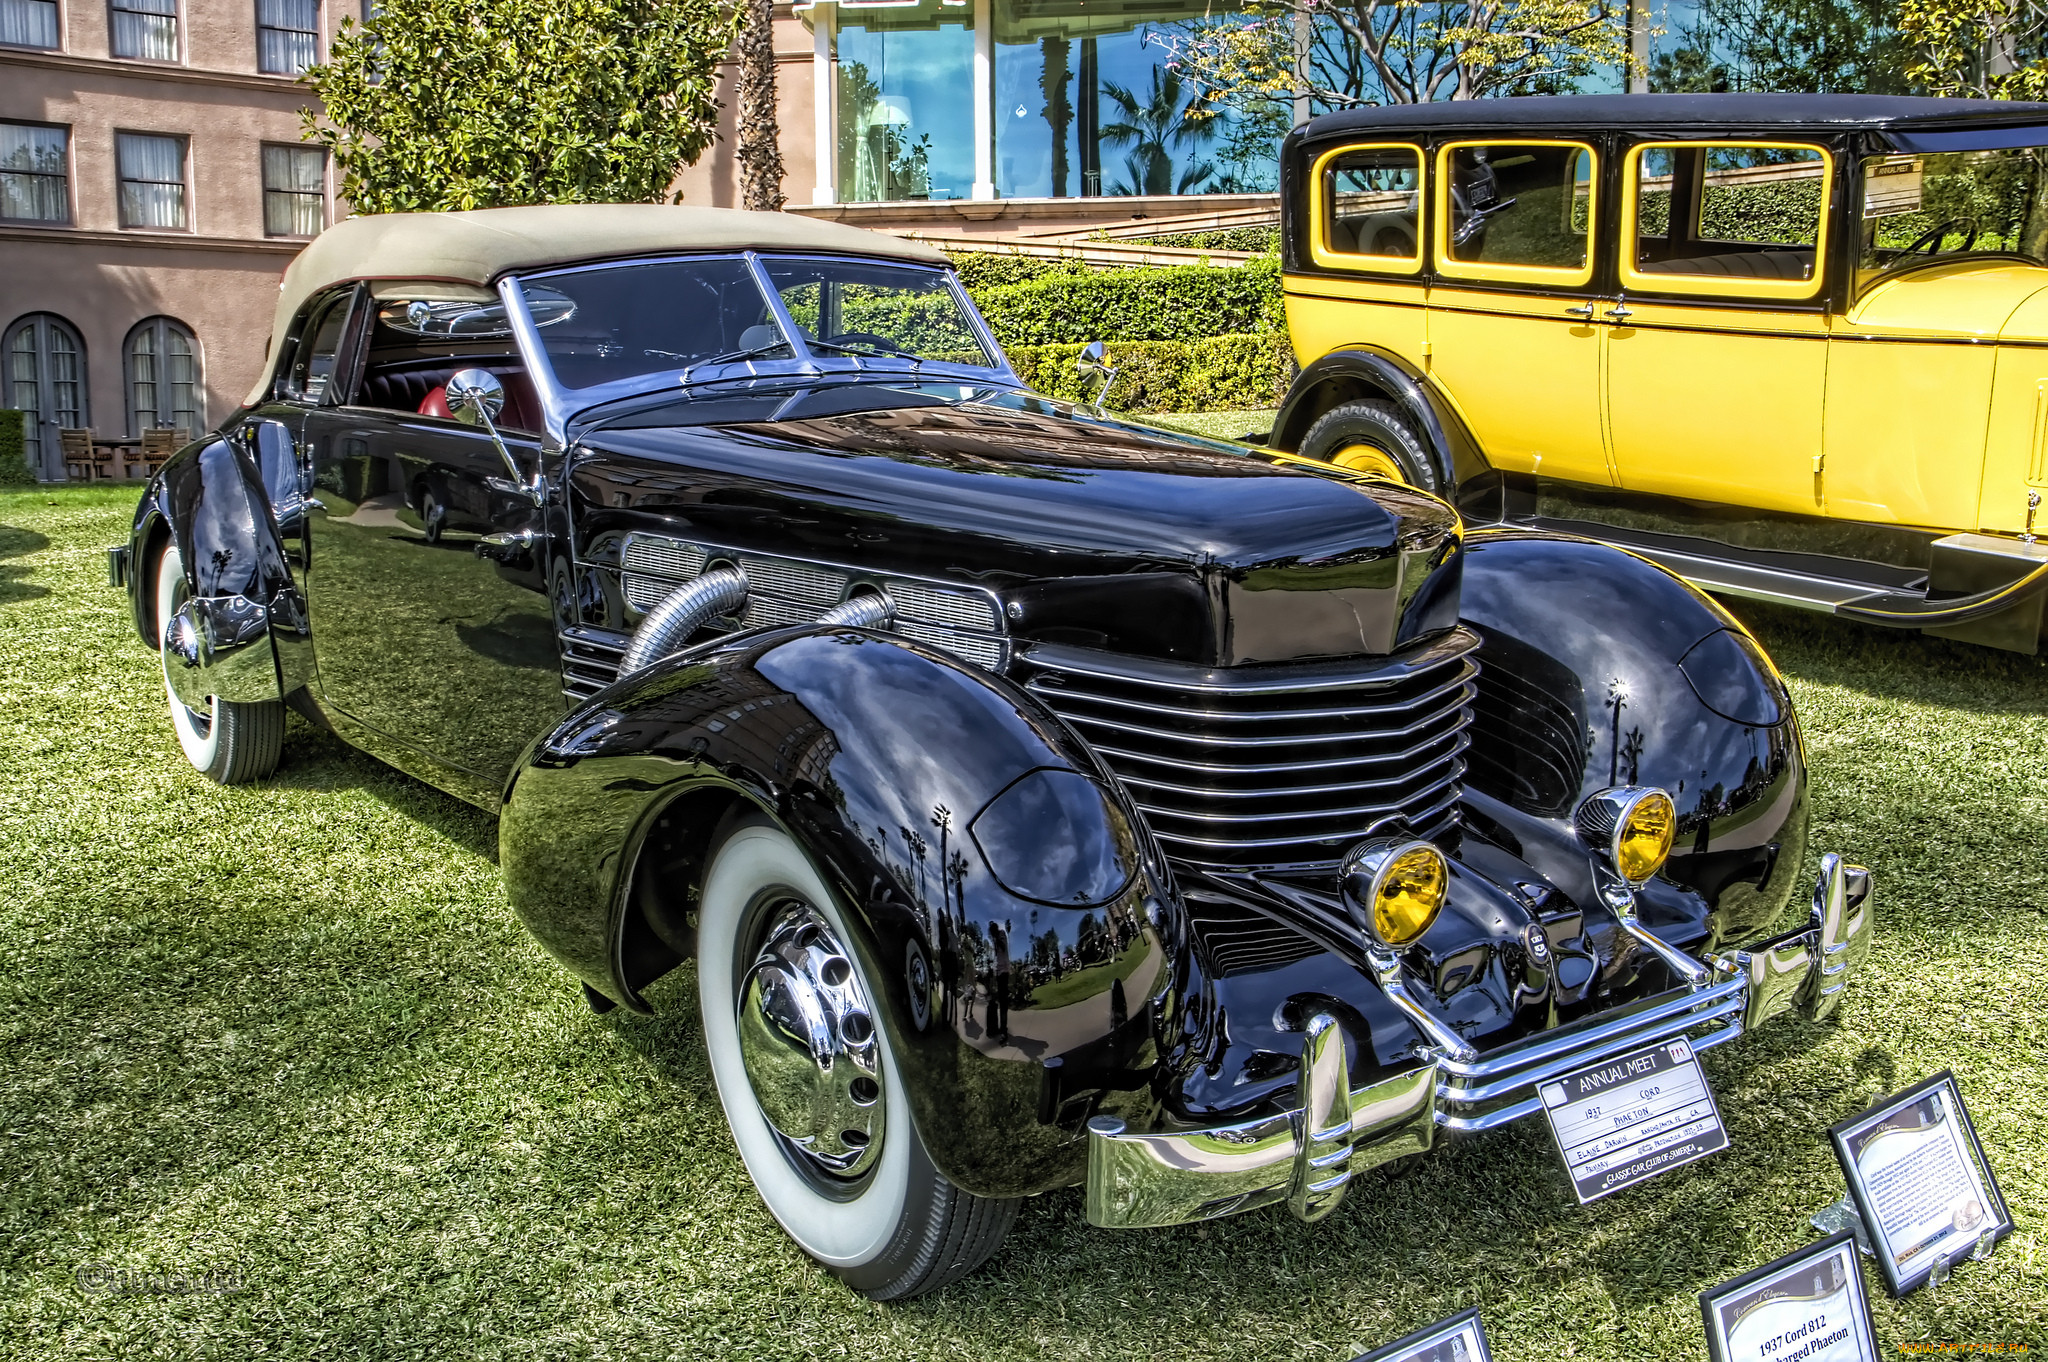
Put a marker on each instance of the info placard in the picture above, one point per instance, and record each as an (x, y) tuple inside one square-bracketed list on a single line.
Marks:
[(1457, 1339), (1626, 1120), (1808, 1306), (1920, 1181)]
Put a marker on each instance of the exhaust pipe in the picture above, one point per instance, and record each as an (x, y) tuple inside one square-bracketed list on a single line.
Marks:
[(682, 612)]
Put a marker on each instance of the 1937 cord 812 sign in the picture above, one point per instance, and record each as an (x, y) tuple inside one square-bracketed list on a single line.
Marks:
[(1044, 799)]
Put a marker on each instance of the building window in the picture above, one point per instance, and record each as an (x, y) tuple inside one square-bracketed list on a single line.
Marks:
[(294, 191), (162, 364), (146, 28), (45, 377), (28, 23), (152, 169), (287, 36), (35, 177)]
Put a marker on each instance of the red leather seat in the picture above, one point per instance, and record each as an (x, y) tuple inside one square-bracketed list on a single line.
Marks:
[(435, 403)]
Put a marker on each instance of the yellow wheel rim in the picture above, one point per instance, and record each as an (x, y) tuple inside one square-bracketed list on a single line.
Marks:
[(1371, 459)]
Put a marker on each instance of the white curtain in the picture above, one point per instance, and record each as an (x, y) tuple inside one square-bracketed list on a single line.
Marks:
[(34, 185), (28, 23), (146, 29), (287, 35), (294, 191), (152, 180)]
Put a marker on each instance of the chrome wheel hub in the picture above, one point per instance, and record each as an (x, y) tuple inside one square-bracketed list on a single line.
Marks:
[(807, 1039)]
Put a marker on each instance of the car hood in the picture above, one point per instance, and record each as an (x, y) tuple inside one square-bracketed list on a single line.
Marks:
[(1981, 299), (1279, 558)]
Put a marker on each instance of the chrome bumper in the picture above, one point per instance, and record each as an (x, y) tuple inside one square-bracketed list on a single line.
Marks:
[(1308, 1155)]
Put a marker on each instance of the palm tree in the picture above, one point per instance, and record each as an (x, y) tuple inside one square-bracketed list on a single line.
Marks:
[(760, 151), (1153, 127)]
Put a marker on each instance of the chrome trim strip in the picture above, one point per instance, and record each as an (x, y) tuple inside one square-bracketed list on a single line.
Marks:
[(1455, 742), (1381, 671), (1577, 1035), (1419, 821), (1207, 740), (1639, 1034), (1462, 681), (1529, 1106), (1233, 817)]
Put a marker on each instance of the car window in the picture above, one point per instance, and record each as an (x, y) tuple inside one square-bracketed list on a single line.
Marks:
[(313, 367), (1369, 208), (1521, 209), (1726, 218), (1953, 205), (876, 311), (614, 322)]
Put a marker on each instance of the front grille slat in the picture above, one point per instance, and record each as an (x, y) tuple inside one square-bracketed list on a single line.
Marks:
[(1274, 764)]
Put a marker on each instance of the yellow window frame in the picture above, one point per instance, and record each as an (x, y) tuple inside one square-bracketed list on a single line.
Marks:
[(1551, 275), (1712, 286), (1319, 249)]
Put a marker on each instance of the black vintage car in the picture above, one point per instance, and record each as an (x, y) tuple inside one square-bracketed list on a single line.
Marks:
[(1045, 799)]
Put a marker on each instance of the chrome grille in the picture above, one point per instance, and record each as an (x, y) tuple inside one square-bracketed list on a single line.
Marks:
[(590, 660), (963, 621), (658, 556), (1273, 765)]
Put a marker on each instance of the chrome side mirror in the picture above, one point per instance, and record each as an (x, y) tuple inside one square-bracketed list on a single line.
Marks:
[(475, 396), (1094, 362)]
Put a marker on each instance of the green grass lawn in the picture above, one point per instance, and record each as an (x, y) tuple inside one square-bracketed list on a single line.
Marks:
[(292, 1031)]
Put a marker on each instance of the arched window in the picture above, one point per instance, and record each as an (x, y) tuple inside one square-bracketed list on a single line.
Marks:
[(45, 377), (162, 365)]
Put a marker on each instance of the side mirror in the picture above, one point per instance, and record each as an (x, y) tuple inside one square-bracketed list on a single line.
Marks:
[(476, 397), (1094, 362)]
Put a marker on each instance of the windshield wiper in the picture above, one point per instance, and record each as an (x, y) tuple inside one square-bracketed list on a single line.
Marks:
[(755, 352), (858, 351)]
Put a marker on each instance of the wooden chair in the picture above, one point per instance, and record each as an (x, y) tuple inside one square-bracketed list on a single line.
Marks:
[(160, 442), (81, 460)]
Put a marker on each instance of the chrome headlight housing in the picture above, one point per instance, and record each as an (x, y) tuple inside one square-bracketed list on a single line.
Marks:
[(1630, 828), (1394, 889)]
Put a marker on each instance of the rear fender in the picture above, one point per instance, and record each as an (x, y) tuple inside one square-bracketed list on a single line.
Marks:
[(1599, 668), (885, 762)]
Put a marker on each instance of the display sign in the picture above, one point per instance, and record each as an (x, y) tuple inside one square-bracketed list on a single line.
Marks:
[(1457, 1339), (1808, 1306), (1626, 1120), (1920, 1182)]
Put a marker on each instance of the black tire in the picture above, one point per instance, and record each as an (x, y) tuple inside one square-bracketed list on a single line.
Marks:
[(899, 1230), (433, 515), (1351, 435), (230, 743)]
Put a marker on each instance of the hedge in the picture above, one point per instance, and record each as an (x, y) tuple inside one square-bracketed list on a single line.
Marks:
[(1172, 303), (981, 270), (1214, 373), (1258, 240), (14, 469), (1785, 210)]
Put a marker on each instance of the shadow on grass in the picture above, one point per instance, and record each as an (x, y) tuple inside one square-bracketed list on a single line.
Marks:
[(1895, 664), (319, 761), (14, 543)]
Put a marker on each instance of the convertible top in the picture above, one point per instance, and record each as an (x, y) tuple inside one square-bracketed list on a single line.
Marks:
[(474, 248), (1752, 113)]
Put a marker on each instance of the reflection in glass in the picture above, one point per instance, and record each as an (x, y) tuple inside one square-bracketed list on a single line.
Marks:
[(1743, 212), (1953, 205), (1520, 205), (879, 311), (1369, 198)]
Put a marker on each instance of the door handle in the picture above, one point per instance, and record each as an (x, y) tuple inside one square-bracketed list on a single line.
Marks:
[(1620, 312), (1582, 310), (514, 548)]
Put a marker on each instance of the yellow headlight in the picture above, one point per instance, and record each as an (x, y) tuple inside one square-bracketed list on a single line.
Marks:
[(1395, 889), (1411, 890), (1643, 840)]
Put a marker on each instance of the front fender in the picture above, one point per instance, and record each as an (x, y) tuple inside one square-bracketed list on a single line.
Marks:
[(1361, 371), (210, 497), (879, 757), (1599, 668)]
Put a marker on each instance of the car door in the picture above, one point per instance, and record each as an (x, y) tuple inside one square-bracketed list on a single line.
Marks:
[(433, 631), (1513, 341), (1366, 242), (1717, 350)]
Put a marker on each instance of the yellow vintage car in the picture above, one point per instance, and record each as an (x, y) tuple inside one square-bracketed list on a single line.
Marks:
[(1793, 347)]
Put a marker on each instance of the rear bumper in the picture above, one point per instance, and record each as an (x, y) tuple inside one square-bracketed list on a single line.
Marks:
[(1308, 1155)]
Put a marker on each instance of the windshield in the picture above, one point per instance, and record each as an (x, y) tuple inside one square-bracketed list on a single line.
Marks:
[(603, 325), (1947, 206), (877, 311)]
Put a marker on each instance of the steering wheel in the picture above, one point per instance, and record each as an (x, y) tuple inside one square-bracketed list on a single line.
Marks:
[(869, 339), (1929, 241)]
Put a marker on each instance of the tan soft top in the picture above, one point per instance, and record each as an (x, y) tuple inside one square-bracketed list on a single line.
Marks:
[(476, 247)]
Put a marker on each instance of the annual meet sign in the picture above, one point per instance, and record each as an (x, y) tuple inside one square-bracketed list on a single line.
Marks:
[(1629, 1119)]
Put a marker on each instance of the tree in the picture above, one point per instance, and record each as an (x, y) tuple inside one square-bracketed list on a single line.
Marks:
[(760, 150), (450, 104), (1806, 46), (1340, 53), (1153, 126), (1989, 49)]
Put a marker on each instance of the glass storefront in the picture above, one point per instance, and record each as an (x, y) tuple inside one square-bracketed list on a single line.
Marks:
[(1083, 102)]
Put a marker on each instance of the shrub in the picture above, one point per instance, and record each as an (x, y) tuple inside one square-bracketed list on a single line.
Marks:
[(1258, 240), (1174, 303), (1238, 372), (14, 469), (980, 270)]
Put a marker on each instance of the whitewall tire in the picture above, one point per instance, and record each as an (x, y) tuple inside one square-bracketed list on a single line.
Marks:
[(227, 742), (898, 1228)]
